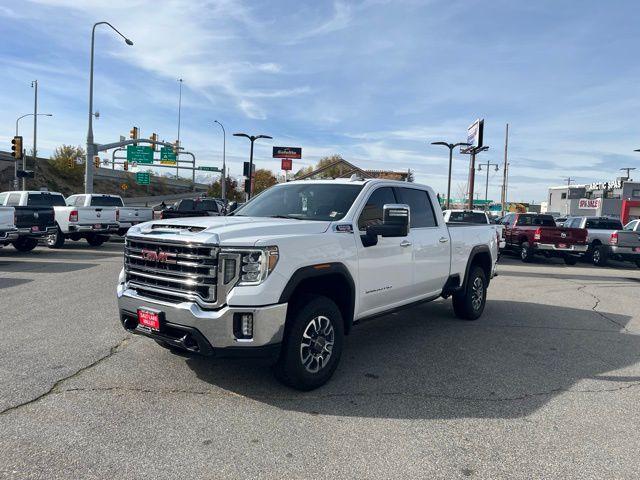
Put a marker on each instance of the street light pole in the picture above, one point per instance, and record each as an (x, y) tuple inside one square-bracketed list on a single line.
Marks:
[(486, 188), (179, 117), (252, 139), (34, 85), (472, 172), (223, 183), (450, 146), (88, 171)]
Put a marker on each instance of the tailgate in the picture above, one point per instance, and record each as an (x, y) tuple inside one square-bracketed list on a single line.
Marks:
[(27, 217), (556, 235), (92, 215), (136, 215), (627, 238)]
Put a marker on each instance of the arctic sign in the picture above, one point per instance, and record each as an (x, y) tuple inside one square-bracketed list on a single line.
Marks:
[(475, 133), (589, 203)]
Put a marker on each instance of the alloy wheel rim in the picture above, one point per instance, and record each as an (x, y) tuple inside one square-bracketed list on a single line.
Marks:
[(316, 347), (524, 252), (477, 293)]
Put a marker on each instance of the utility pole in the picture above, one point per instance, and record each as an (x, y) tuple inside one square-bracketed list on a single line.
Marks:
[(223, 184), (627, 169), (472, 171), (34, 85), (569, 180), (179, 115), (503, 199), (486, 188)]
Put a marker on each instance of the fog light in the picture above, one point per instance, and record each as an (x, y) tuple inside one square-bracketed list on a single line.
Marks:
[(243, 326)]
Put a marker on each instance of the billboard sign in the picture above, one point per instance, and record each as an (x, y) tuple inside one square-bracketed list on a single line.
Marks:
[(287, 164), (589, 203), (475, 133), (287, 152)]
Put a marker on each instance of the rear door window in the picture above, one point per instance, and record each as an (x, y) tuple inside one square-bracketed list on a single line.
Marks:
[(468, 217), (421, 209), (207, 205), (186, 205)]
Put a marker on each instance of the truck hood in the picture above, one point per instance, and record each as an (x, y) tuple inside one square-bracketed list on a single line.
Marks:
[(228, 231)]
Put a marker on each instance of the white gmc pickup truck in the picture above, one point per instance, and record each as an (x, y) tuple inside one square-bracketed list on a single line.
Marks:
[(295, 268)]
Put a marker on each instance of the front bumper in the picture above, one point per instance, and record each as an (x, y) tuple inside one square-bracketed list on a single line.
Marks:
[(9, 236), (27, 232), (107, 228), (555, 248), (214, 326)]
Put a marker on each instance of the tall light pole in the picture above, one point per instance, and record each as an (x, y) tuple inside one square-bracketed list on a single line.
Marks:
[(34, 85), (450, 146), (223, 183), (252, 139), (179, 116), (626, 169), (486, 188), (88, 171), (15, 175), (473, 151)]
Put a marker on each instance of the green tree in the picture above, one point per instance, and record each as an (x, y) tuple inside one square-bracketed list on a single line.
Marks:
[(64, 159), (263, 179), (233, 194), (332, 172)]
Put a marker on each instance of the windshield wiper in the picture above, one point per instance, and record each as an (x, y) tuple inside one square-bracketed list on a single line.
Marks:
[(284, 216)]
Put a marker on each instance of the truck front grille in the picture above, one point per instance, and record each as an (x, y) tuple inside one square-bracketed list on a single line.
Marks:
[(172, 271)]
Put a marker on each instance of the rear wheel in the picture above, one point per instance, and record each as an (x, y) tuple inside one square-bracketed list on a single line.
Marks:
[(25, 244), (469, 303), (638, 263), (526, 252), (312, 344), (56, 240), (570, 259), (96, 240), (599, 256)]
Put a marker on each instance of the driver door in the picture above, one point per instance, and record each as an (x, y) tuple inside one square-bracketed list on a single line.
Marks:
[(385, 269)]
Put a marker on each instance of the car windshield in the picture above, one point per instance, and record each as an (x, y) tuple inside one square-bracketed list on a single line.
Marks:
[(45, 200), (105, 201), (304, 201), (468, 217)]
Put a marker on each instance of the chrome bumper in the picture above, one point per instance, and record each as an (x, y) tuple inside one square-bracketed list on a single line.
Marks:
[(215, 325), (569, 249), (108, 228), (9, 235), (39, 233)]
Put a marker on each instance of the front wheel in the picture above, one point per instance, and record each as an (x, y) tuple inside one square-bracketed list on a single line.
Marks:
[(312, 345), (25, 244), (96, 240), (570, 260), (469, 303)]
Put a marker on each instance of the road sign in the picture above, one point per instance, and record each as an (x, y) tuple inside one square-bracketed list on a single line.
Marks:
[(287, 152), (210, 169), (143, 178), (124, 186), (167, 153), (140, 154), (287, 164)]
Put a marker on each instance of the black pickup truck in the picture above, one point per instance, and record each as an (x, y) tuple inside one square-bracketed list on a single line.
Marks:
[(34, 218), (199, 207)]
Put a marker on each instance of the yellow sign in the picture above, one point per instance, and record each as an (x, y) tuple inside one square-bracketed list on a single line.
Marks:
[(168, 162), (124, 186)]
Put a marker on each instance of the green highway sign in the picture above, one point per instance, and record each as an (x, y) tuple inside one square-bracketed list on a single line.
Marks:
[(167, 153), (143, 178), (140, 154), (209, 169)]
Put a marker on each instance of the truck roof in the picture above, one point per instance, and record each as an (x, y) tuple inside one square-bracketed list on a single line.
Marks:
[(359, 181)]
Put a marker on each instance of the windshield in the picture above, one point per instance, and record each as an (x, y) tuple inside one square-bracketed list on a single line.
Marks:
[(311, 201), (45, 200), (106, 201), (468, 217)]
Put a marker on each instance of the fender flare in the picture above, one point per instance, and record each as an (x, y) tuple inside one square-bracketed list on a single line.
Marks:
[(472, 255)]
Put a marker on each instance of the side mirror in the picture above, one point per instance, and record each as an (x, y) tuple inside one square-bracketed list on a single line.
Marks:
[(395, 223)]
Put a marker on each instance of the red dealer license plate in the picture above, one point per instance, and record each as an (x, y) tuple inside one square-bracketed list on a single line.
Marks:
[(637, 249), (149, 318), (562, 245), (35, 228), (97, 226)]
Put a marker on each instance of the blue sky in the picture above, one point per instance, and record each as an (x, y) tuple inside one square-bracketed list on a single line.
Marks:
[(374, 81)]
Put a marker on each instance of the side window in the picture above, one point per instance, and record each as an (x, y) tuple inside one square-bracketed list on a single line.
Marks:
[(79, 201), (421, 209), (372, 211), (3, 197), (13, 200), (186, 205)]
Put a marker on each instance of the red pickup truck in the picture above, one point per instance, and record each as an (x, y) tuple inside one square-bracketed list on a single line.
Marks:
[(531, 233)]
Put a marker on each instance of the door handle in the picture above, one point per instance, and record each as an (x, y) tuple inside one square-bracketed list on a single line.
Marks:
[(443, 240), (405, 243)]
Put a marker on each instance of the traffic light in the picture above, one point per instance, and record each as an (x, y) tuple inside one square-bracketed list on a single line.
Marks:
[(153, 138), (16, 147), (125, 165), (96, 161), (176, 147), (133, 133)]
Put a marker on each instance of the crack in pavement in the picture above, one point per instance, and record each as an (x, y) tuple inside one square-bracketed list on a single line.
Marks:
[(348, 394), (112, 351), (581, 288)]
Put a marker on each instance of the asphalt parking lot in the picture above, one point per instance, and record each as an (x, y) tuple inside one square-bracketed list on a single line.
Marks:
[(545, 385)]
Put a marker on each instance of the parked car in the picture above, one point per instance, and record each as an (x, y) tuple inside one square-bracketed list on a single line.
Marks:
[(475, 217), (125, 216), (199, 207), (633, 226), (532, 233), (34, 217), (296, 267), (608, 240), (8, 230), (75, 220)]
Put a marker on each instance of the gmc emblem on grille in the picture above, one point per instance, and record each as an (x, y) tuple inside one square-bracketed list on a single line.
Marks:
[(158, 256)]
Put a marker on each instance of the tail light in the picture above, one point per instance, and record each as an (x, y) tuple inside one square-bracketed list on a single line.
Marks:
[(613, 238), (73, 216), (117, 215), (537, 235)]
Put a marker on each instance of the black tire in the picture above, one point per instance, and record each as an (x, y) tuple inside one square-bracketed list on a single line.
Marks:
[(96, 240), (56, 240), (599, 256), (25, 244), (637, 263), (570, 259), (75, 237), (526, 252), (306, 365), (466, 303)]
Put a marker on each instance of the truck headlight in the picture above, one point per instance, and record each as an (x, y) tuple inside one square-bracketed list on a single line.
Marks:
[(255, 264)]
